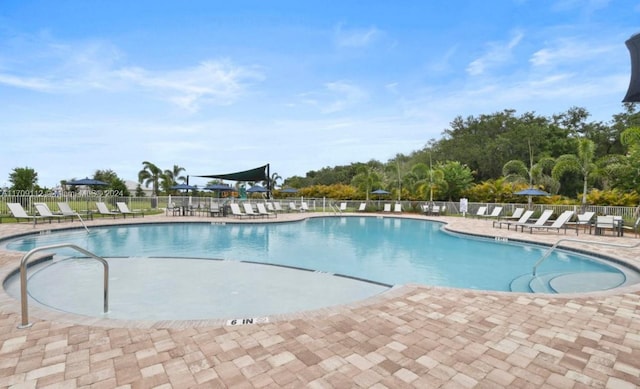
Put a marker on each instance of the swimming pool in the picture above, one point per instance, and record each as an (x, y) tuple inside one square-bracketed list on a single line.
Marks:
[(384, 250)]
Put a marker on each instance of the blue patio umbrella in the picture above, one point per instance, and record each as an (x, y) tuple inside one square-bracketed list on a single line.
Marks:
[(380, 192), (289, 190), (530, 192), (87, 181), (257, 189), (183, 187)]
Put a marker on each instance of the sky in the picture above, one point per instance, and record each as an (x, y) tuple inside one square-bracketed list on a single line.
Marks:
[(224, 86)]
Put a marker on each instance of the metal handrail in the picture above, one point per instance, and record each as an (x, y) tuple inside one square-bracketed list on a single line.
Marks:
[(23, 278), (555, 245)]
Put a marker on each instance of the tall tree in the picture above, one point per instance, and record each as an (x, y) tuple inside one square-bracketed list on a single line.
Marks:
[(366, 179), (150, 175), (23, 178), (581, 163)]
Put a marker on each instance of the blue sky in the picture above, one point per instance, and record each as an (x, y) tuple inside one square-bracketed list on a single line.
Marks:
[(218, 87)]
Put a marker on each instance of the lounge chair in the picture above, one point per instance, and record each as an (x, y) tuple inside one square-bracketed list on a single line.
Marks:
[(124, 210), (19, 213), (215, 209), (173, 208), (362, 207), (558, 224), (542, 220), (583, 220), (343, 207), (495, 213), (292, 207), (304, 207), (523, 219), (248, 210), (278, 207), (397, 207), (270, 207), (235, 211), (262, 211), (481, 211), (103, 210), (387, 208), (517, 214), (44, 211)]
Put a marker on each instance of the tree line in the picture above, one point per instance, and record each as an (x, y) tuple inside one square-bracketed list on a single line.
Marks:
[(484, 158)]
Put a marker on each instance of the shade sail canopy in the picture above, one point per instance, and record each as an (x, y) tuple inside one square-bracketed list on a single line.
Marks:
[(633, 93), (258, 174), (87, 181)]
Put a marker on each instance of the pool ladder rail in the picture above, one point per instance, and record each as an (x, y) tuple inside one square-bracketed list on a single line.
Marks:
[(23, 278), (555, 246)]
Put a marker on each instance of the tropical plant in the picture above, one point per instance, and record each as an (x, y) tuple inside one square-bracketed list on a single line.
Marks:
[(366, 179), (581, 163), (150, 175)]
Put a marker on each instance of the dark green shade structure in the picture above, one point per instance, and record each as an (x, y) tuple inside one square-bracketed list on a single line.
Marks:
[(633, 94)]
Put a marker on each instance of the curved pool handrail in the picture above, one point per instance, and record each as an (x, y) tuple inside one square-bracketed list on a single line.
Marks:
[(555, 245), (23, 277)]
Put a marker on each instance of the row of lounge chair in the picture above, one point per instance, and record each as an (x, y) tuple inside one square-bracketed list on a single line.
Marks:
[(44, 213)]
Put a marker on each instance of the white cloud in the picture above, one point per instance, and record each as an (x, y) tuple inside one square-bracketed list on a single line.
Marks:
[(335, 97), (356, 37), (569, 51), (496, 55)]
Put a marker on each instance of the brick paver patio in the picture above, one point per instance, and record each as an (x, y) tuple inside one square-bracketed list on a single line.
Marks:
[(413, 336)]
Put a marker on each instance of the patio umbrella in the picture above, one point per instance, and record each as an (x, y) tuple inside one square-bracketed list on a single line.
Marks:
[(289, 190), (380, 192), (219, 188), (257, 189), (530, 192), (186, 187), (87, 181)]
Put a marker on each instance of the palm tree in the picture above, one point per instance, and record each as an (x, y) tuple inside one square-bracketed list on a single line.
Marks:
[(150, 175), (582, 163), (274, 180), (174, 174), (366, 179)]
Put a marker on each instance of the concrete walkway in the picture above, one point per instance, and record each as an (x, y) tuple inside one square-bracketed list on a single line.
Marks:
[(411, 337)]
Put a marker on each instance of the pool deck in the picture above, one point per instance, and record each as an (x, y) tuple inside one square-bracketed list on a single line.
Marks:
[(413, 336)]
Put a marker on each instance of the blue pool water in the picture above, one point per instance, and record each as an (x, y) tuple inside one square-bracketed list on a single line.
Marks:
[(386, 250)]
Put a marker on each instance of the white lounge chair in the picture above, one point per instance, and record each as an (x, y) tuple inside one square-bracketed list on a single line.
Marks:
[(343, 207), (44, 211), (495, 213), (235, 211), (481, 211), (397, 207), (19, 213), (558, 224), (517, 214), (584, 220), (292, 207), (248, 210), (523, 219), (262, 211), (124, 210), (103, 210), (277, 207), (362, 207), (387, 208), (542, 220)]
